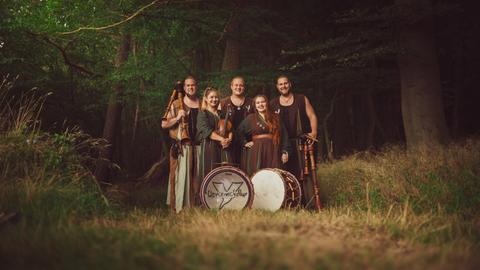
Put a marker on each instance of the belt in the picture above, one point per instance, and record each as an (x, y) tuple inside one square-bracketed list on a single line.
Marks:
[(262, 136)]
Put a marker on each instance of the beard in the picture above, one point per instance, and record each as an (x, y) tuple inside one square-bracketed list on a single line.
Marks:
[(191, 96), (285, 93)]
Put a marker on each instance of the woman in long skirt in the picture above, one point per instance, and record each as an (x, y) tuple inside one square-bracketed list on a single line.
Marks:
[(269, 146), (213, 147)]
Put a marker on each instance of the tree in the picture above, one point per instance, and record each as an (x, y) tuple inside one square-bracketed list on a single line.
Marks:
[(114, 113), (422, 106)]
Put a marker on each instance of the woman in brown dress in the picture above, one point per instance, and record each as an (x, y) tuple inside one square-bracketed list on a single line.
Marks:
[(269, 146), (213, 147)]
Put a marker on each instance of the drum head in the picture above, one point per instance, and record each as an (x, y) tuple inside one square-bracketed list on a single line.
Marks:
[(269, 190), (226, 188)]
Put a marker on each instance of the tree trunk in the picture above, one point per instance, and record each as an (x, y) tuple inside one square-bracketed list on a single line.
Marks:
[(231, 56), (372, 120), (422, 106), (113, 116), (326, 135)]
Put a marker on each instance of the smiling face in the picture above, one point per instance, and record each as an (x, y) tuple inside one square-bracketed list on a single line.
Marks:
[(261, 104), (238, 86), (190, 87), (283, 86), (212, 99)]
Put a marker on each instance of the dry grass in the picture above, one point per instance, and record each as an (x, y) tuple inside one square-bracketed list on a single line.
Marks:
[(335, 238)]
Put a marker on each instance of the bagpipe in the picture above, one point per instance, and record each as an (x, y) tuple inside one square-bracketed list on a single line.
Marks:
[(180, 134)]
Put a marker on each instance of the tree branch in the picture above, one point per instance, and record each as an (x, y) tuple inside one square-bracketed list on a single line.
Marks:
[(63, 51), (135, 14), (111, 25)]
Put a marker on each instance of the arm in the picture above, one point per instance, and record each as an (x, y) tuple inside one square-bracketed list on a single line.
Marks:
[(312, 118), (204, 130), (242, 131), (172, 118)]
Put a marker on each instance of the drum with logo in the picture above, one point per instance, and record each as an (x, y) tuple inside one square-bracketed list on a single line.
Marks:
[(226, 187), (275, 189)]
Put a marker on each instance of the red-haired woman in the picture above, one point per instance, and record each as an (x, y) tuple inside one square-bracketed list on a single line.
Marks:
[(213, 147), (269, 146)]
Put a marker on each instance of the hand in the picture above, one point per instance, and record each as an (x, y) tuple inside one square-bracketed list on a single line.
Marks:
[(180, 114), (225, 142), (313, 134), (284, 158), (249, 144)]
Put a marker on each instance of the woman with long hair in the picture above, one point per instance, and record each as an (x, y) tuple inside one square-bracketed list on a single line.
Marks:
[(269, 146), (214, 148)]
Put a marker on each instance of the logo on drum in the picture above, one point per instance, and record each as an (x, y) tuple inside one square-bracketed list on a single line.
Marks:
[(226, 194)]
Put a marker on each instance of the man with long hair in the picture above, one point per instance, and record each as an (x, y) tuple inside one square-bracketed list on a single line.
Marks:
[(299, 117)]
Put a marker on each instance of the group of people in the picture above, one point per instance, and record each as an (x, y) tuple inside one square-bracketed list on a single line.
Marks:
[(236, 130)]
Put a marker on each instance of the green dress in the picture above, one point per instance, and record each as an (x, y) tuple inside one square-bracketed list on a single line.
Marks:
[(211, 155)]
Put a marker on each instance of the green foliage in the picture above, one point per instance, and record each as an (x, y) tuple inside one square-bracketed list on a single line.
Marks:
[(430, 180), (44, 180), (43, 176)]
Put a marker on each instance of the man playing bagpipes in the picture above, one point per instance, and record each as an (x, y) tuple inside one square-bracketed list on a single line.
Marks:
[(298, 116), (180, 118)]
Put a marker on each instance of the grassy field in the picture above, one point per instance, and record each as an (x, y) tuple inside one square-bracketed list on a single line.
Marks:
[(200, 239), (393, 209)]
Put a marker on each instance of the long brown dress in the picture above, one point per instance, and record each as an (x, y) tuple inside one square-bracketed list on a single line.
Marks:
[(264, 153), (211, 155)]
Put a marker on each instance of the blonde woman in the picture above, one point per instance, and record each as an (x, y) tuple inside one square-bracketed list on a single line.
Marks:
[(214, 148)]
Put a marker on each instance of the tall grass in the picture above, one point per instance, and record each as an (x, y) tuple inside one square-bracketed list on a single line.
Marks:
[(430, 179), (42, 177)]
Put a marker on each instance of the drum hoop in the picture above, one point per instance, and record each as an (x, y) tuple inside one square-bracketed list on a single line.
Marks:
[(279, 173), (218, 170), (266, 169)]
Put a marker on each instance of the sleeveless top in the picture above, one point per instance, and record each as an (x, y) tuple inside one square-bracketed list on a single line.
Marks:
[(191, 119), (294, 117), (238, 113)]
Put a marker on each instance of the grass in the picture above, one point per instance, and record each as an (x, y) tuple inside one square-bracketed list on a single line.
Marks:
[(201, 239), (394, 209), (444, 178)]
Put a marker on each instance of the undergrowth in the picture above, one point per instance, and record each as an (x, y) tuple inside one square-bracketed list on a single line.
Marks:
[(43, 180), (441, 178)]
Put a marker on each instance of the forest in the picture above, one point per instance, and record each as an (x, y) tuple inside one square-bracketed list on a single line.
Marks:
[(84, 160)]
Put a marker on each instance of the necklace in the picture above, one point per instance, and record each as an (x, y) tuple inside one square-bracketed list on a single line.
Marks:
[(286, 101)]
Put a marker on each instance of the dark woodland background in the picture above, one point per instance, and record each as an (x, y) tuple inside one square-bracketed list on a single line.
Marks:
[(376, 72)]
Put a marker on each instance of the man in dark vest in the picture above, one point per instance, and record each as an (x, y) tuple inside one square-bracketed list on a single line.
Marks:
[(238, 106), (298, 116), (182, 121)]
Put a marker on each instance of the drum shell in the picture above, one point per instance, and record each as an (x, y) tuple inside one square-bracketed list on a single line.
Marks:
[(217, 190)]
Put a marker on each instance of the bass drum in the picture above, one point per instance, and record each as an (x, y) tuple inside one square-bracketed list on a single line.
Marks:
[(226, 187), (275, 189)]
